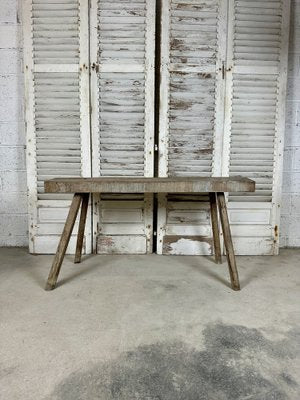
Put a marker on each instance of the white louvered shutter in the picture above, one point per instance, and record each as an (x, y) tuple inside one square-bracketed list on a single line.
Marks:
[(57, 111), (193, 46), (122, 52), (254, 125)]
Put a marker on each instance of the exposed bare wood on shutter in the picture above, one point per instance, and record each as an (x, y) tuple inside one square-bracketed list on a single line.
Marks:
[(191, 115), (122, 47), (56, 73), (191, 124), (256, 79), (122, 124)]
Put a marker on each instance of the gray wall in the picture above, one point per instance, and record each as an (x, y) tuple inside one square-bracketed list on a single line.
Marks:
[(290, 220), (13, 207), (13, 218)]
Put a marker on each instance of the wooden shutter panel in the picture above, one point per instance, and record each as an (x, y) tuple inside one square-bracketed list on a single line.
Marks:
[(57, 110), (254, 126), (193, 46), (122, 48)]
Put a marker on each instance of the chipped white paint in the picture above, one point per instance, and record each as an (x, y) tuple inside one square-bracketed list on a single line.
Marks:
[(124, 218), (190, 33), (122, 56), (164, 93), (243, 86), (192, 93), (122, 59)]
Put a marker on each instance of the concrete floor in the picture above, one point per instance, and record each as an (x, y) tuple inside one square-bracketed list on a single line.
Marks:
[(149, 328)]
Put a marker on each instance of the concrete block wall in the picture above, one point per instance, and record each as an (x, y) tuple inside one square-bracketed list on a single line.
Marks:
[(13, 207), (13, 202), (290, 211)]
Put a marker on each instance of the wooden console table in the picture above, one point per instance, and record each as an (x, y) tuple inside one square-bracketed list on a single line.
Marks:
[(83, 187)]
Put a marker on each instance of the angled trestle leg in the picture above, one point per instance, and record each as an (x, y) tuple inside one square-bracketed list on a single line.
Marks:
[(234, 277), (82, 221), (64, 241), (215, 227)]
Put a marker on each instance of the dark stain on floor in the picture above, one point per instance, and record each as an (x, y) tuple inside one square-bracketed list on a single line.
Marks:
[(237, 363)]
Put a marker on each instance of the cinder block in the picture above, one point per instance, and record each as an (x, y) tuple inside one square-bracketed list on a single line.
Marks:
[(12, 133), (12, 158), (291, 112), (13, 203), (293, 241), (9, 86), (13, 181), (292, 135), (11, 61), (295, 182), (287, 159), (14, 241), (294, 226), (10, 36), (12, 225), (11, 108), (296, 159), (295, 12), (295, 204), (282, 241), (285, 204), (294, 64), (293, 89), (9, 11), (286, 182), (294, 35), (284, 225), (11, 98)]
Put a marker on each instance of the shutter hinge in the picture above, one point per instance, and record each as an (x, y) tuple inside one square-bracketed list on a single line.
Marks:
[(223, 69), (95, 67)]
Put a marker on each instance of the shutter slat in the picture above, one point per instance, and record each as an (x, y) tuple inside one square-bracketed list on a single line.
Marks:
[(260, 21), (55, 33), (122, 97), (249, 151), (191, 109)]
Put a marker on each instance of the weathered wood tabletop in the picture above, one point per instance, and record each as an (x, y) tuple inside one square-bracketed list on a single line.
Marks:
[(149, 185), (83, 187)]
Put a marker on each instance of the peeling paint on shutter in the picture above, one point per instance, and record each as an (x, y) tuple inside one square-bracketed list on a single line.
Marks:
[(57, 111), (254, 125), (122, 51), (193, 46)]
